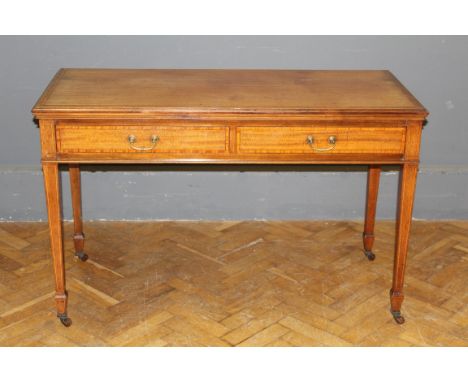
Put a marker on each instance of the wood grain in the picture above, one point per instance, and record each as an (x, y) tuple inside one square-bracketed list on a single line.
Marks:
[(75, 188), (257, 140), (407, 190), (52, 191), (234, 284), (253, 91), (373, 180), (114, 139), (230, 116), (48, 140)]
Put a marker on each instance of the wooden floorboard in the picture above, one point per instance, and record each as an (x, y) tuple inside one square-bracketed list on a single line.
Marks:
[(234, 284)]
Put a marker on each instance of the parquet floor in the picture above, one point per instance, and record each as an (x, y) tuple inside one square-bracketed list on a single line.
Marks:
[(234, 284)]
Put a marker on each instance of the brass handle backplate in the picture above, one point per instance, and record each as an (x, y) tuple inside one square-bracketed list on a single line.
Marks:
[(132, 139), (331, 140)]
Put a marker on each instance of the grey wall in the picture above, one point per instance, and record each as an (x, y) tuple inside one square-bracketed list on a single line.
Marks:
[(434, 69)]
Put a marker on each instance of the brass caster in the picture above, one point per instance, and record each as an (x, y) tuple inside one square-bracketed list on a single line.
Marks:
[(81, 255), (398, 317), (370, 256), (64, 319)]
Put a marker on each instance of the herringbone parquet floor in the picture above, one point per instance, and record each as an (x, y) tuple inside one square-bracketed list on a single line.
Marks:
[(234, 283)]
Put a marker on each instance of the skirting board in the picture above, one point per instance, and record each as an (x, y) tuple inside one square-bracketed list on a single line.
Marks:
[(275, 193)]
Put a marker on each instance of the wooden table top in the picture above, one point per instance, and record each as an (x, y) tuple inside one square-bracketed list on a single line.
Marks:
[(229, 91)]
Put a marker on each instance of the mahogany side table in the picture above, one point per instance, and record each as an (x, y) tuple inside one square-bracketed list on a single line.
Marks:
[(134, 116)]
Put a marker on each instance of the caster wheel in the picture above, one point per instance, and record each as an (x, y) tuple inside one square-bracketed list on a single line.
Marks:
[(82, 256), (65, 320), (370, 256), (399, 319)]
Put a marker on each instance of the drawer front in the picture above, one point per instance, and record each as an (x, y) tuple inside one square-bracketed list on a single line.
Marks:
[(141, 139), (320, 140)]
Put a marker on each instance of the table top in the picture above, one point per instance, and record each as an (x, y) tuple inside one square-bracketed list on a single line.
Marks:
[(142, 91)]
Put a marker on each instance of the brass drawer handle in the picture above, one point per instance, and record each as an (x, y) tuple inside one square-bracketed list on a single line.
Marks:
[(331, 140), (132, 139)]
